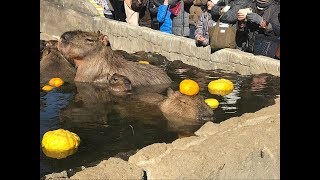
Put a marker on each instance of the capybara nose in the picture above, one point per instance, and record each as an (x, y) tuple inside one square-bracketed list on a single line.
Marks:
[(207, 118), (128, 85)]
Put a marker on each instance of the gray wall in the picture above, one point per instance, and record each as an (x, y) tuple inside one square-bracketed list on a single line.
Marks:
[(58, 16)]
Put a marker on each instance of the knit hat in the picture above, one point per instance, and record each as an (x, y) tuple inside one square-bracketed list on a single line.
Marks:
[(264, 3)]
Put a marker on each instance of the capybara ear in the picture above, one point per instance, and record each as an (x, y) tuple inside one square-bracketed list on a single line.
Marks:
[(170, 92), (45, 51), (98, 32), (108, 76), (105, 40)]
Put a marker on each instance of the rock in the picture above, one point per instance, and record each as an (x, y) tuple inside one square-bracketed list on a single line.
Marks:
[(207, 129), (113, 168), (245, 147), (57, 176)]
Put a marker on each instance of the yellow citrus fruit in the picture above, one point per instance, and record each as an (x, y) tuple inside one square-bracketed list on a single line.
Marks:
[(144, 62), (56, 82), (220, 87), (47, 88), (59, 143), (189, 87), (213, 103)]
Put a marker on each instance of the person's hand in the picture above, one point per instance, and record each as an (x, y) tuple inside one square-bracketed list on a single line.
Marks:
[(254, 17), (225, 9), (210, 5), (242, 13), (200, 38)]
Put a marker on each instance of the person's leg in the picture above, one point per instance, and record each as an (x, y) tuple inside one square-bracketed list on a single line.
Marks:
[(118, 13), (154, 23)]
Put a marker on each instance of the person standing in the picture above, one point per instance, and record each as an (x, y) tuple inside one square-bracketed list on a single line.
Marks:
[(132, 17), (205, 21), (164, 17), (180, 23), (119, 12), (153, 6), (196, 8), (228, 9), (262, 25)]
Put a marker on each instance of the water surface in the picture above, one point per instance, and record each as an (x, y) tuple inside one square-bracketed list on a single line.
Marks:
[(109, 125)]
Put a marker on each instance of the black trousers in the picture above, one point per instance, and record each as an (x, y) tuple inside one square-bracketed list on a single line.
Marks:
[(118, 13)]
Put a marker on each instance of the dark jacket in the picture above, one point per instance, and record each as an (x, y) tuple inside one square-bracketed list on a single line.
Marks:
[(230, 16), (271, 15), (153, 6)]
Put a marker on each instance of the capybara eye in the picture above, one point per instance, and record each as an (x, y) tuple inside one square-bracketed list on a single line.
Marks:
[(90, 40), (113, 80)]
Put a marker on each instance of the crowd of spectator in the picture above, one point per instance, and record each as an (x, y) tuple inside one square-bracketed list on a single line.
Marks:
[(257, 22)]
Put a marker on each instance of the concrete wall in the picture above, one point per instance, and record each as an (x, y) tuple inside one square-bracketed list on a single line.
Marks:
[(58, 16)]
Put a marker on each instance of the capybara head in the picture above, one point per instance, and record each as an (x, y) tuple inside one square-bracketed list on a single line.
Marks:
[(79, 44), (53, 64), (47, 44), (119, 83), (181, 108)]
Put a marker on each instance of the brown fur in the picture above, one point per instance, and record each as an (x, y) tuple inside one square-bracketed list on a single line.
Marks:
[(180, 107), (47, 44), (184, 113), (119, 83), (90, 102), (177, 107), (53, 64), (95, 60)]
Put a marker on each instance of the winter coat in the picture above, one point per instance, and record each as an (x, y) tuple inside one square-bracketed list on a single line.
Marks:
[(196, 9), (180, 23), (165, 19), (203, 24), (230, 16), (269, 14), (153, 6)]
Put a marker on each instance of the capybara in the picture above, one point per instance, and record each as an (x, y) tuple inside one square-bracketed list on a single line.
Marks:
[(91, 105), (44, 44), (94, 60), (97, 93), (180, 107), (119, 83), (53, 64), (184, 114)]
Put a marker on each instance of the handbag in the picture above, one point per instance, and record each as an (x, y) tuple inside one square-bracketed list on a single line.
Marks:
[(175, 9), (222, 35)]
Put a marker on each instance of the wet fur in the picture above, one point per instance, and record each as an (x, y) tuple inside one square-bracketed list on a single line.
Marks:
[(53, 64), (95, 60)]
